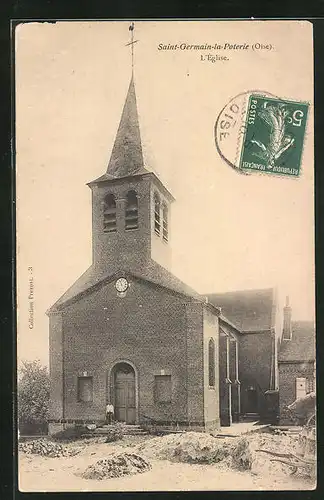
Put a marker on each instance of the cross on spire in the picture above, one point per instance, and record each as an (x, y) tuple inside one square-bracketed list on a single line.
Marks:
[(131, 43)]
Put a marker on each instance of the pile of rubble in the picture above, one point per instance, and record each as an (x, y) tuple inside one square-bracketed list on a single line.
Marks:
[(284, 443), (250, 452), (47, 448), (117, 465), (196, 447)]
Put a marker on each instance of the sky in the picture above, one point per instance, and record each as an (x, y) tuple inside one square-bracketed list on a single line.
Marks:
[(228, 231)]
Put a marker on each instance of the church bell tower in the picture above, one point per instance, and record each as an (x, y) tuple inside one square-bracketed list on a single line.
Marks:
[(130, 205)]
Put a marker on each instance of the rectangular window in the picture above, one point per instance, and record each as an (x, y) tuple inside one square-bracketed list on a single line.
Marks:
[(300, 387), (163, 389), (85, 389)]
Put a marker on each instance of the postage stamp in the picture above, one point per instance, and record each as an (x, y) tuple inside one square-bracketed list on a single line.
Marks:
[(274, 135), (230, 128)]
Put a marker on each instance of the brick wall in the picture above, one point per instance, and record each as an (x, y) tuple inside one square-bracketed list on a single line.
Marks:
[(195, 363), (288, 372), (152, 328), (225, 387), (56, 366), (116, 249), (211, 394), (131, 248)]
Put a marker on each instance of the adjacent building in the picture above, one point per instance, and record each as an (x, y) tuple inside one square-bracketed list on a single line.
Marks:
[(296, 362), (259, 318)]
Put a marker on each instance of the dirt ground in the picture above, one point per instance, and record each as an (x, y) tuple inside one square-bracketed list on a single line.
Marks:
[(44, 474)]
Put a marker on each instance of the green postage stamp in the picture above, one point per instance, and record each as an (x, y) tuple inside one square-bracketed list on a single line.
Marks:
[(274, 135)]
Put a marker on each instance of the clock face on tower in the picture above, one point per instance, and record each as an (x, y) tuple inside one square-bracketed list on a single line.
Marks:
[(121, 285)]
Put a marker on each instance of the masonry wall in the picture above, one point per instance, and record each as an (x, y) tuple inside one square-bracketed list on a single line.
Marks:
[(56, 410), (288, 372), (149, 328), (211, 394), (224, 387), (194, 363), (129, 248), (122, 247)]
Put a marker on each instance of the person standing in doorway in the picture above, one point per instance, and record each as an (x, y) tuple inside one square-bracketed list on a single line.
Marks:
[(109, 413)]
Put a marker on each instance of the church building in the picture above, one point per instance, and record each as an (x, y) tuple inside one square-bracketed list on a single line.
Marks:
[(130, 333)]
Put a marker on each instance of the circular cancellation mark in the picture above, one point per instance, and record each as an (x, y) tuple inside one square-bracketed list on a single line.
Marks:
[(230, 128)]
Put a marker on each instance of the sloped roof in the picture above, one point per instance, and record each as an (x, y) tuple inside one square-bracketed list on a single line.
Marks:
[(127, 154), (249, 310), (161, 276), (301, 347), (153, 272), (109, 177)]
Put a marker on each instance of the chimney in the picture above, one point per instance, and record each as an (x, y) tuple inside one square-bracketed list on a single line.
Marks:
[(286, 331)]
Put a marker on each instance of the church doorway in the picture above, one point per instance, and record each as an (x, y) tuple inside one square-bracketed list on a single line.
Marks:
[(252, 400), (123, 389)]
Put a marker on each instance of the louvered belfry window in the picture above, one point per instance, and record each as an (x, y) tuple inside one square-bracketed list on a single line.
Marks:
[(157, 215), (131, 211), (110, 217), (165, 222)]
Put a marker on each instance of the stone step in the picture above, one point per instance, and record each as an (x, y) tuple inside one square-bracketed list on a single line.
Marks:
[(127, 426), (127, 429), (250, 417), (105, 432)]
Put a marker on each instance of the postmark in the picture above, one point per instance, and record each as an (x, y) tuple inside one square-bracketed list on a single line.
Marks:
[(243, 131), (274, 135), (230, 128)]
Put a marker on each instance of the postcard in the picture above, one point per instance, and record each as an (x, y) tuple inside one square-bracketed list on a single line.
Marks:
[(165, 255)]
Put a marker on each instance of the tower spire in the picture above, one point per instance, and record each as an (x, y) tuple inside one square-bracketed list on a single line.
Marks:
[(127, 155)]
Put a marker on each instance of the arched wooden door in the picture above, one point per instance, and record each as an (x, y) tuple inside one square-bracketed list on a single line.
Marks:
[(124, 393)]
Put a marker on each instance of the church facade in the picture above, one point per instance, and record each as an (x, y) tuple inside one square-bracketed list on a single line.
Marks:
[(130, 333)]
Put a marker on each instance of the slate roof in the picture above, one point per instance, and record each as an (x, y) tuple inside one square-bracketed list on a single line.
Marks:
[(153, 272), (301, 347), (109, 177), (127, 159), (127, 154), (249, 310)]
